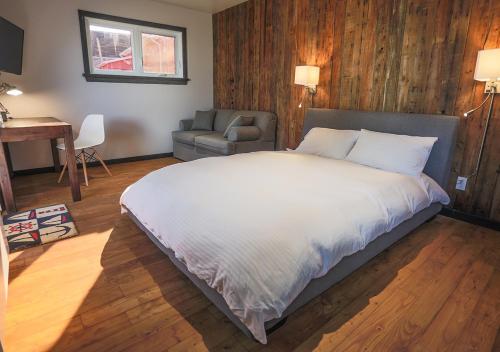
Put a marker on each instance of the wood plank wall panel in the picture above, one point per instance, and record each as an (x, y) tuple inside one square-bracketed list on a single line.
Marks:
[(378, 55)]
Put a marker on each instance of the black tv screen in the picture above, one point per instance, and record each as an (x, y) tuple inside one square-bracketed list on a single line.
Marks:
[(11, 47)]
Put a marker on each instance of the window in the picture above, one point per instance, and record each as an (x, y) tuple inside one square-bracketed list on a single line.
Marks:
[(117, 49)]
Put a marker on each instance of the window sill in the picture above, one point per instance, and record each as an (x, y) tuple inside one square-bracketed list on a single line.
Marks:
[(135, 79)]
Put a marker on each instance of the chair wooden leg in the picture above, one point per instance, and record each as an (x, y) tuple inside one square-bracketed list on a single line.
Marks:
[(102, 162), (62, 172), (84, 164)]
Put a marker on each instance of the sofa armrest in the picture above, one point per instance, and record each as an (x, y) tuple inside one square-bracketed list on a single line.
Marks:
[(186, 124), (243, 134)]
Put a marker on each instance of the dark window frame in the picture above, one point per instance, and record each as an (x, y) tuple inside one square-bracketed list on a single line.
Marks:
[(93, 77)]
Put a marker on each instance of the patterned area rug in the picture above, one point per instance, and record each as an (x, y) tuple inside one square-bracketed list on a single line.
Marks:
[(38, 226)]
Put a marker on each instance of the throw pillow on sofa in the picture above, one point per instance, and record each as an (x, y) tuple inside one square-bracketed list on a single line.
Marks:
[(203, 120), (238, 121)]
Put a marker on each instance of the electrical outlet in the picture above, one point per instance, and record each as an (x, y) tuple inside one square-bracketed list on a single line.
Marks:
[(461, 183)]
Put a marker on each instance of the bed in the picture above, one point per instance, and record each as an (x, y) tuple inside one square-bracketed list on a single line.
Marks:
[(261, 234)]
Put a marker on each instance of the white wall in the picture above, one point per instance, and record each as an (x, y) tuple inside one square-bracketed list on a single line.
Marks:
[(139, 117)]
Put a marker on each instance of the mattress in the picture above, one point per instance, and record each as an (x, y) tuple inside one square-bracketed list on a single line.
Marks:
[(258, 228)]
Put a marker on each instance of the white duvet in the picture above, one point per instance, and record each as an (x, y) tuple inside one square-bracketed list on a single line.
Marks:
[(258, 227)]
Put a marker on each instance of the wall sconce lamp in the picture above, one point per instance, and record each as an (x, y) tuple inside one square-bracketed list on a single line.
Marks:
[(6, 88), (487, 70), (307, 76)]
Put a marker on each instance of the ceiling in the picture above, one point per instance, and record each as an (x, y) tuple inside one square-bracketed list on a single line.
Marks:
[(210, 6)]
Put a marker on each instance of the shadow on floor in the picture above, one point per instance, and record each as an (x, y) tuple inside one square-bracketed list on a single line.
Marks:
[(152, 306)]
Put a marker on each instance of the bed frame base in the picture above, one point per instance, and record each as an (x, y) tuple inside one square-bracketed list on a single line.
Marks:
[(277, 326), (317, 286)]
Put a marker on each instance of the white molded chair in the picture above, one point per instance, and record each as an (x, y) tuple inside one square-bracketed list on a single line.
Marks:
[(91, 135)]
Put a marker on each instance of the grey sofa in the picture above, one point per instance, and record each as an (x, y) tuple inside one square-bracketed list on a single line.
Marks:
[(195, 144)]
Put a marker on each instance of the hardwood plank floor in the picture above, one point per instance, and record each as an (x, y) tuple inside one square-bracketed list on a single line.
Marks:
[(110, 289)]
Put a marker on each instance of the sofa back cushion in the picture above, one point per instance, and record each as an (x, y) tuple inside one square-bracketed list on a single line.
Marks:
[(222, 119), (203, 120)]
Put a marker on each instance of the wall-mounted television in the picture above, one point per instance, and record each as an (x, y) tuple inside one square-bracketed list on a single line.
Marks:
[(11, 47)]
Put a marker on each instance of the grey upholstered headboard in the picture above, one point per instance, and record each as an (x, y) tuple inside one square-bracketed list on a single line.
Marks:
[(444, 127)]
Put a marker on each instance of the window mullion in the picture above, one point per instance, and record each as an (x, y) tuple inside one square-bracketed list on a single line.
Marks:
[(137, 51), (178, 56), (89, 43)]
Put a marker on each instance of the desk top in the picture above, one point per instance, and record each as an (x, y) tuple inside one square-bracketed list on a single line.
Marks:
[(27, 122)]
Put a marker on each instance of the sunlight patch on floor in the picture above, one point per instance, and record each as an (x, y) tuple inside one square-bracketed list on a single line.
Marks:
[(44, 284)]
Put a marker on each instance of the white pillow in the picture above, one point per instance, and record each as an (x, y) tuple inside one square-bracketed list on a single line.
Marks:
[(328, 142), (392, 152)]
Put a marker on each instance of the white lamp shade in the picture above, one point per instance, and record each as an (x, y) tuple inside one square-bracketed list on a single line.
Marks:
[(488, 65), (307, 75)]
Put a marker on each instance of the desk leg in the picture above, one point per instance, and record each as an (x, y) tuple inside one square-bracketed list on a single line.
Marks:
[(8, 195), (8, 158), (55, 155), (71, 159)]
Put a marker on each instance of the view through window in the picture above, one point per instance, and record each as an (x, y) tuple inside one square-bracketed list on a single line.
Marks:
[(158, 53), (111, 48)]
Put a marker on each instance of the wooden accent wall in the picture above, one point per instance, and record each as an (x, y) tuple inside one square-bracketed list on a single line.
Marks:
[(378, 55)]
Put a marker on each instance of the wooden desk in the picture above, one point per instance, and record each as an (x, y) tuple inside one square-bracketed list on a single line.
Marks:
[(33, 128)]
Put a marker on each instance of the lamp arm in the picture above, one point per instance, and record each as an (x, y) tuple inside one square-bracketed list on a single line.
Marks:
[(480, 105), (483, 139), (3, 108), (3, 89)]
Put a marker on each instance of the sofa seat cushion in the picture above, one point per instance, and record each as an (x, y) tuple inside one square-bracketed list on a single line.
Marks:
[(188, 137), (215, 142)]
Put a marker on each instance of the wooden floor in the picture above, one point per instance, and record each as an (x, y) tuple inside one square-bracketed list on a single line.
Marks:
[(110, 289)]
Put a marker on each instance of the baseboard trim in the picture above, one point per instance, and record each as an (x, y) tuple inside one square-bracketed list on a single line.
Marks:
[(43, 170), (470, 218)]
